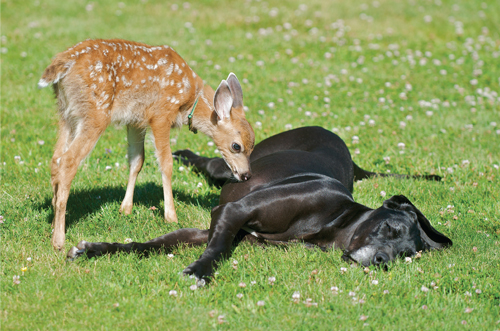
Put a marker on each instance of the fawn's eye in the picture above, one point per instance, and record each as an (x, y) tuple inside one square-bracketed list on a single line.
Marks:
[(236, 148)]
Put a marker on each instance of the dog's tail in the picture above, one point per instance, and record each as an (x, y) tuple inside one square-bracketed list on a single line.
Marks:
[(360, 174)]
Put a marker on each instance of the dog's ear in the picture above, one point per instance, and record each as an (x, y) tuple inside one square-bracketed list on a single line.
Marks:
[(223, 101), (432, 238), (236, 91)]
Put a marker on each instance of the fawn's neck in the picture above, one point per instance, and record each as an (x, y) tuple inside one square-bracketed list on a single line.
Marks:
[(204, 116)]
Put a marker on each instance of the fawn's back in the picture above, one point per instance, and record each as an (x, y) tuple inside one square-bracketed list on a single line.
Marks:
[(121, 81)]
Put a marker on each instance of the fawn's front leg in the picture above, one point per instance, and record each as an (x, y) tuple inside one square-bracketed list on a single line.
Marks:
[(161, 133)]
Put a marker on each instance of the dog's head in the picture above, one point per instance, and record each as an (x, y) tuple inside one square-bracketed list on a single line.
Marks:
[(394, 230)]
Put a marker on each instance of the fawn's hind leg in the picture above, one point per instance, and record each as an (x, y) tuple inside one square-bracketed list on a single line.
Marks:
[(63, 140), (135, 137), (64, 169)]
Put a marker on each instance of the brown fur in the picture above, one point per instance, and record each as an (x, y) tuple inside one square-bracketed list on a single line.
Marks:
[(98, 82)]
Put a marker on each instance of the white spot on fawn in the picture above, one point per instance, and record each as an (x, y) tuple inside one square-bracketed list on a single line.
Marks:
[(169, 70), (187, 84)]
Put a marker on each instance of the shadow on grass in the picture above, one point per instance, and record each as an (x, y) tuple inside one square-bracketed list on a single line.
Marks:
[(87, 202)]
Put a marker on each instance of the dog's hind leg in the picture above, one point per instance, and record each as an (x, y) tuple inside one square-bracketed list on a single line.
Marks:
[(190, 237)]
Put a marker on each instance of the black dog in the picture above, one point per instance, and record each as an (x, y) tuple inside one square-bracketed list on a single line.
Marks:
[(300, 191)]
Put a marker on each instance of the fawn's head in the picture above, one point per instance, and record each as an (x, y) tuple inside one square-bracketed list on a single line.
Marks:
[(233, 135)]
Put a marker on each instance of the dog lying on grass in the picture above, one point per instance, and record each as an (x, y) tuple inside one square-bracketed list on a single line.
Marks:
[(300, 191)]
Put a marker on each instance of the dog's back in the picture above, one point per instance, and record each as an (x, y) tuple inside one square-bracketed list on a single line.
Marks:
[(303, 150)]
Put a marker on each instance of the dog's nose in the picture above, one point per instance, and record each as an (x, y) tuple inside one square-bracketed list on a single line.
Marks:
[(246, 176), (380, 258)]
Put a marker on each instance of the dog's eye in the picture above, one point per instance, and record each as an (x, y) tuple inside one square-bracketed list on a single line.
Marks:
[(235, 147)]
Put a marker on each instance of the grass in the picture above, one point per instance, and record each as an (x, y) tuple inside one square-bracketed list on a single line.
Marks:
[(361, 56)]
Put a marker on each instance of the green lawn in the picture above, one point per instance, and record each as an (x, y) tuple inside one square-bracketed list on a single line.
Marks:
[(419, 72)]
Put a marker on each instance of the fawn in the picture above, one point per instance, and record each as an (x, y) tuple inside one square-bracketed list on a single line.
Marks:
[(98, 82)]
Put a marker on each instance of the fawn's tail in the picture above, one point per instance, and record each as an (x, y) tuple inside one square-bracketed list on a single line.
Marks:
[(55, 71)]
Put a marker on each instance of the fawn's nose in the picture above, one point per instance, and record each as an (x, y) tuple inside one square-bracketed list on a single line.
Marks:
[(246, 176)]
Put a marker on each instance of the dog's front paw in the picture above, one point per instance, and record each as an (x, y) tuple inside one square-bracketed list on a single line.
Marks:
[(185, 156), (202, 270), (76, 252)]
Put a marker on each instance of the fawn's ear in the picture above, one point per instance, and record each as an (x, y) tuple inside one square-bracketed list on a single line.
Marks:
[(223, 101), (236, 91)]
